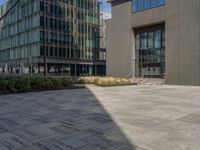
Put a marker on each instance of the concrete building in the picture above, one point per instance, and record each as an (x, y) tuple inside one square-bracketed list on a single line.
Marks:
[(51, 36), (155, 39), (105, 17)]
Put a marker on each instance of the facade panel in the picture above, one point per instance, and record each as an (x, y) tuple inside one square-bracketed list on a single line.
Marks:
[(182, 42), (120, 38)]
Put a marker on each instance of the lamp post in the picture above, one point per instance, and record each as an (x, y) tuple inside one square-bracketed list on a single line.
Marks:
[(44, 38)]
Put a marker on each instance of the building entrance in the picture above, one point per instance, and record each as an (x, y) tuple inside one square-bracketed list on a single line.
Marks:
[(150, 51)]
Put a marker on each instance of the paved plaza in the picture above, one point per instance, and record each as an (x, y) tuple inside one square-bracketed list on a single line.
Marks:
[(115, 118)]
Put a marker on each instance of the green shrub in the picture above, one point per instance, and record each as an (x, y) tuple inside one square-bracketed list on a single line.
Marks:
[(3, 85), (10, 84), (20, 84), (23, 84), (68, 82), (43, 83), (38, 83)]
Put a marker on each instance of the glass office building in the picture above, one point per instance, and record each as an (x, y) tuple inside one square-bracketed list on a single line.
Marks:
[(63, 35)]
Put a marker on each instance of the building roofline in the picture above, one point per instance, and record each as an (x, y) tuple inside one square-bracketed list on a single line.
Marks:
[(109, 1)]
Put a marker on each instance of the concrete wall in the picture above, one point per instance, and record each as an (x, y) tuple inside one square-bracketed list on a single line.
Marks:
[(148, 17), (183, 42), (120, 36), (182, 23), (120, 41)]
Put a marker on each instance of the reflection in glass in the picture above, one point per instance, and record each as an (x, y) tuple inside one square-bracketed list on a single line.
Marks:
[(161, 2), (157, 37), (139, 5), (147, 4), (137, 42), (153, 3), (150, 52), (150, 40)]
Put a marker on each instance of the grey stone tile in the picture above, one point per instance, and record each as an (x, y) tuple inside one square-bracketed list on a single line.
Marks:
[(10, 141), (118, 118), (191, 118), (37, 132), (172, 142), (74, 143)]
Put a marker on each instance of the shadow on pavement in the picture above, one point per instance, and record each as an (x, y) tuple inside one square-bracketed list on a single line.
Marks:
[(58, 120)]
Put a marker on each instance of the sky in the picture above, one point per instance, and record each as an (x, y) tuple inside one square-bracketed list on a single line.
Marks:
[(106, 6), (2, 1)]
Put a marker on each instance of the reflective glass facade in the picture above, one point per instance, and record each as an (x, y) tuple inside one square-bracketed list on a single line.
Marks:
[(140, 5), (150, 52), (67, 32), (19, 33)]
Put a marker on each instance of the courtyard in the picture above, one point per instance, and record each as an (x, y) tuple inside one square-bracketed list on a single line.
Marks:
[(150, 117)]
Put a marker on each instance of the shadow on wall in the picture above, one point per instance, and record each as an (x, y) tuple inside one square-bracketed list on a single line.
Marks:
[(58, 120)]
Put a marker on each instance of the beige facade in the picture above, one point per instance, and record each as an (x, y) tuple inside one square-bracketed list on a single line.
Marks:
[(182, 37)]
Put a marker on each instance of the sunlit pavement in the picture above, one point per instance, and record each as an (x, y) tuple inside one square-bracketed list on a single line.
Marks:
[(114, 118)]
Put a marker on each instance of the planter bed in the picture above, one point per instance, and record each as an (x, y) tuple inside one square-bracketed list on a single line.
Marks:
[(10, 85), (113, 85), (105, 81)]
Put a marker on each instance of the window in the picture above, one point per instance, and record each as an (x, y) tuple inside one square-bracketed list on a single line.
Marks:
[(147, 4), (157, 37), (56, 52), (134, 5), (144, 41), (163, 38), (51, 51), (150, 40), (47, 51), (41, 50), (153, 3), (139, 5), (150, 51), (161, 2)]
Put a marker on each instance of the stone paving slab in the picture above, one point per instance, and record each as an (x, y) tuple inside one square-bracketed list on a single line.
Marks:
[(156, 117)]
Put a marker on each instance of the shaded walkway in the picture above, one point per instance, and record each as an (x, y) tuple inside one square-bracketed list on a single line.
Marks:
[(58, 120)]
